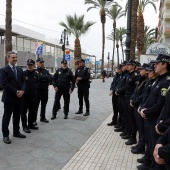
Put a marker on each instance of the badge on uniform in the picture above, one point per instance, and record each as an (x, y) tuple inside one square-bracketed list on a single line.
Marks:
[(164, 91), (168, 77), (59, 72), (35, 77), (26, 78)]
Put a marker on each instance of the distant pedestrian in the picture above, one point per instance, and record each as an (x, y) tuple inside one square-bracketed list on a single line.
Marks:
[(82, 77), (13, 89), (42, 91), (63, 82), (103, 73)]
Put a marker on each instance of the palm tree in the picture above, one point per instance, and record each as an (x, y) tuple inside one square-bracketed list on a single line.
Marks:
[(75, 25), (149, 38), (115, 37), (140, 24), (122, 32), (8, 33), (115, 13), (102, 5)]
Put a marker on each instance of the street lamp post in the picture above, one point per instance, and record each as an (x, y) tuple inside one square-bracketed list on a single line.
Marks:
[(108, 64), (128, 30), (95, 64), (64, 42)]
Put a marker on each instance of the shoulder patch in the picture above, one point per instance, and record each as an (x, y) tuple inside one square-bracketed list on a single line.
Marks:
[(135, 74), (168, 77), (164, 91)]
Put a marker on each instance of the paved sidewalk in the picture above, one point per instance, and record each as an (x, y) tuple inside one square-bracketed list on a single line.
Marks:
[(104, 150)]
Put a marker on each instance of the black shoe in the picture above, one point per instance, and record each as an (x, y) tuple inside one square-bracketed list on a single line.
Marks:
[(117, 126), (141, 160), (19, 135), (6, 140), (135, 146), (79, 112), (123, 134), (143, 167), (131, 142), (111, 123), (53, 116), (86, 113), (138, 150), (65, 117), (119, 130), (26, 130), (44, 120), (126, 136), (34, 123), (33, 127)]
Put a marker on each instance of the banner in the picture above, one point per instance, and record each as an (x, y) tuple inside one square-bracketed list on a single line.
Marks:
[(38, 48)]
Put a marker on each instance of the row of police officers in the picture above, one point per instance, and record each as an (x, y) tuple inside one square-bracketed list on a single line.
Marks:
[(141, 103), (23, 91)]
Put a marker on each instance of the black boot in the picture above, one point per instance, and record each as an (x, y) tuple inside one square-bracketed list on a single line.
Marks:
[(111, 123), (131, 141), (87, 113), (53, 116), (79, 112)]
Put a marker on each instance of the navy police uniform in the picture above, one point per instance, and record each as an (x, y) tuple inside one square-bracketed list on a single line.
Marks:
[(42, 90), (30, 98), (83, 87), (63, 79)]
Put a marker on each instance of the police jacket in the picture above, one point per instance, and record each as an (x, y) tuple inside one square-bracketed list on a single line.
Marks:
[(156, 99), (131, 82), (164, 151), (136, 97), (32, 80), (84, 73), (165, 115), (63, 79), (120, 87), (146, 91), (115, 81), (44, 78)]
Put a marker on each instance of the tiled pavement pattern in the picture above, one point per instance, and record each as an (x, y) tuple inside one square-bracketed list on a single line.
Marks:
[(104, 150)]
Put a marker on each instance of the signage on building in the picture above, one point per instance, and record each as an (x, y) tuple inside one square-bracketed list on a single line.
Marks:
[(38, 48), (158, 48), (97, 63), (67, 57), (87, 60)]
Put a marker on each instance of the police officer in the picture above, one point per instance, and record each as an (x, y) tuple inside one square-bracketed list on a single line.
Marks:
[(42, 91), (82, 77), (30, 95), (130, 123), (115, 98), (63, 82), (151, 109)]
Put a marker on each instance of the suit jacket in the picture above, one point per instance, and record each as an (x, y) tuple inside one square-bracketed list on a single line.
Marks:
[(10, 84)]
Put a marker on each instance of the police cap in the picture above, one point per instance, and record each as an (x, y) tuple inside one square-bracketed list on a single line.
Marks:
[(123, 63), (30, 62), (82, 60), (162, 58), (144, 66), (119, 66), (64, 62), (40, 60), (131, 62), (151, 67)]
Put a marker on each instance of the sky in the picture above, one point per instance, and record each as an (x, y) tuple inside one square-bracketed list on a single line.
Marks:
[(48, 14)]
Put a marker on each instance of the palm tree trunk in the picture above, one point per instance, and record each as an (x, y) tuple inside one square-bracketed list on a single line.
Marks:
[(8, 33), (113, 57), (122, 49), (133, 28), (117, 46), (103, 45), (77, 50)]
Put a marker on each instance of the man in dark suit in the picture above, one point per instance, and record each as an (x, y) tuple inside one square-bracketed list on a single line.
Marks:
[(13, 90)]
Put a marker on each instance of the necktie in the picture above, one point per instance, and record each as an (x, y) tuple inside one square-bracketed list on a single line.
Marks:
[(15, 73)]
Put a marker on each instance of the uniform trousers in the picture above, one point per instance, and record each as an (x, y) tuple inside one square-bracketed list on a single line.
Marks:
[(83, 93), (42, 96), (29, 104), (115, 102), (66, 97), (122, 101)]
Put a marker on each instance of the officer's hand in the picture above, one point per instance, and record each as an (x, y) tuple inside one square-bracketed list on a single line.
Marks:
[(20, 93), (111, 93), (131, 104), (143, 114), (70, 91), (79, 78), (139, 109), (156, 156), (157, 131), (56, 89)]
